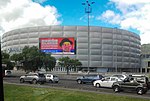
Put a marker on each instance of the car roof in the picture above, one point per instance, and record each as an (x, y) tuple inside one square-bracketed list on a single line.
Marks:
[(31, 74), (138, 75), (120, 74), (48, 73), (34, 73), (93, 74)]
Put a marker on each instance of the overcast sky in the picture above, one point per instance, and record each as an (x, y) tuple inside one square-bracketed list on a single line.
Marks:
[(132, 15)]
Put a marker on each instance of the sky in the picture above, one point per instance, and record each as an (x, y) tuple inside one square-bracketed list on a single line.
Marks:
[(131, 15)]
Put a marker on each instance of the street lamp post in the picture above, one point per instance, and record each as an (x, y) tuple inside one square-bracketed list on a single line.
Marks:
[(88, 10), (115, 51)]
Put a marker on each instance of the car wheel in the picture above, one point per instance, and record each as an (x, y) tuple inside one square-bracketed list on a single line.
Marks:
[(140, 91), (98, 85), (34, 81), (79, 81), (116, 89), (21, 80)]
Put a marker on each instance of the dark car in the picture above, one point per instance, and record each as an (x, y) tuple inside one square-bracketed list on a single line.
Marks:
[(88, 78), (142, 79), (140, 84)]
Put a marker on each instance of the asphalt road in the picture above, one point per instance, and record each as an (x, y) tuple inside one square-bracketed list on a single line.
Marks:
[(70, 83)]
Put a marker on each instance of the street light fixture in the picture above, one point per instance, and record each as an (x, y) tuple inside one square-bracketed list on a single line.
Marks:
[(88, 10)]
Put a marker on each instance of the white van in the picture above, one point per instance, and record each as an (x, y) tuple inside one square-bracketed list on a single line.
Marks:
[(8, 73)]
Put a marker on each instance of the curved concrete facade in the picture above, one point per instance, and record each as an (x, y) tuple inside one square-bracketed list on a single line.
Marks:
[(110, 49)]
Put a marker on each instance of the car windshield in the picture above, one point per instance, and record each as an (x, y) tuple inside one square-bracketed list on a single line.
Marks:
[(106, 79), (8, 72), (55, 76), (100, 76), (113, 79), (41, 75)]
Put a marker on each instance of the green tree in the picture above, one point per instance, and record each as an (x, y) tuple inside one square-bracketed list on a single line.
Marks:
[(49, 62), (17, 59), (69, 63), (33, 59), (6, 60), (145, 49), (76, 63)]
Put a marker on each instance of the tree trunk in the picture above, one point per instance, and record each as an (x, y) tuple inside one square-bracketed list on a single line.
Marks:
[(67, 70)]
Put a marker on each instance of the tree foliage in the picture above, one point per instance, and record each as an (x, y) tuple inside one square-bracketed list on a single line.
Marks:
[(69, 63), (6, 60), (33, 59), (145, 49), (16, 58)]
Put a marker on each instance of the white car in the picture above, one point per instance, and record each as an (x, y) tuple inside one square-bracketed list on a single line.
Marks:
[(51, 78), (106, 82), (120, 76)]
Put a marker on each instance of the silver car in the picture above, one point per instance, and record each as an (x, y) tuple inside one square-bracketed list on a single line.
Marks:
[(51, 78), (33, 78)]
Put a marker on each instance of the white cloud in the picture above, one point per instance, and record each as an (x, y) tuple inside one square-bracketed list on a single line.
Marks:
[(130, 2), (132, 14), (110, 16), (25, 13), (129, 5), (145, 37)]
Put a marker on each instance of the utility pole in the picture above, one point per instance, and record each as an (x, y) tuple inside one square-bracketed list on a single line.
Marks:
[(88, 10)]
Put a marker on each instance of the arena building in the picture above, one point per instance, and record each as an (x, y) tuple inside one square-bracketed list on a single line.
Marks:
[(110, 49)]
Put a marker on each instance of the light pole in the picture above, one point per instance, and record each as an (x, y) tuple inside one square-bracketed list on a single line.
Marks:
[(88, 10), (116, 52)]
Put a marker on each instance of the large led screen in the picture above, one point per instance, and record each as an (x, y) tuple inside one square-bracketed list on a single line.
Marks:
[(57, 45)]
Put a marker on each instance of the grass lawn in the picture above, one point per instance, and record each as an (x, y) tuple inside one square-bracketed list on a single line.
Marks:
[(25, 93)]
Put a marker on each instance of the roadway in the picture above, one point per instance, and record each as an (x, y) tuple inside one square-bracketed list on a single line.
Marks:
[(70, 83)]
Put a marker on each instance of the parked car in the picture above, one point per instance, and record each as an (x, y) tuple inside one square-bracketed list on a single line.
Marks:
[(8, 73), (141, 79), (106, 82), (88, 78), (51, 78), (132, 83), (33, 78), (120, 76)]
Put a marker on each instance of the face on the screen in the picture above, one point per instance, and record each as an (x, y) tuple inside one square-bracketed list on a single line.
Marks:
[(66, 46)]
